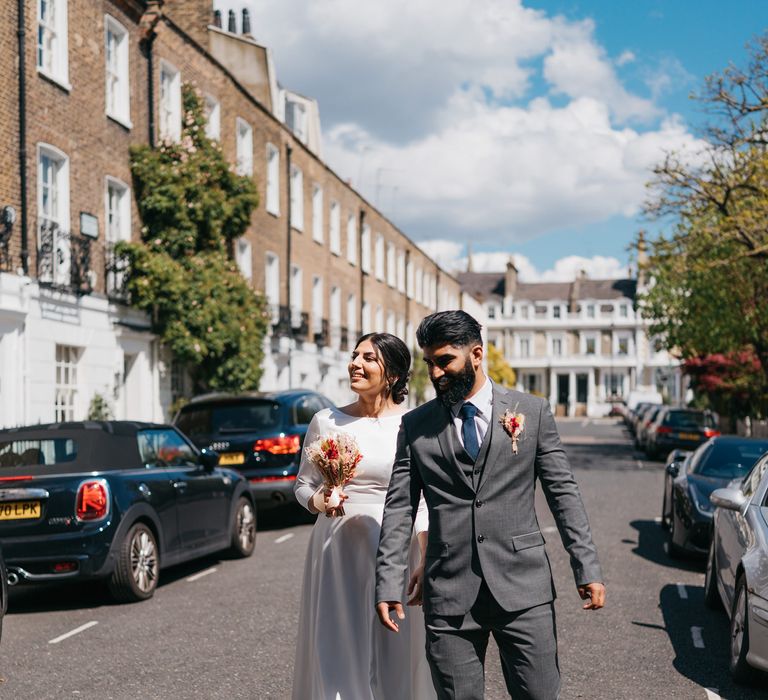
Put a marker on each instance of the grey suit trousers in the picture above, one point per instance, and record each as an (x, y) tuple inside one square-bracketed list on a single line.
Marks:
[(527, 641)]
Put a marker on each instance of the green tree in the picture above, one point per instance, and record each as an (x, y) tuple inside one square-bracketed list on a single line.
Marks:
[(193, 206), (499, 370), (709, 276)]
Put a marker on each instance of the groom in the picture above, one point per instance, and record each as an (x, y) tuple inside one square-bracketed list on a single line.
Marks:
[(486, 568)]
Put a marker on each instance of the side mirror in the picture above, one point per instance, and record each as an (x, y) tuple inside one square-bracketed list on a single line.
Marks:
[(731, 499), (673, 469), (209, 459)]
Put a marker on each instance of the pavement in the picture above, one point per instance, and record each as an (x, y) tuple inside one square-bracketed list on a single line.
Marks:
[(221, 628)]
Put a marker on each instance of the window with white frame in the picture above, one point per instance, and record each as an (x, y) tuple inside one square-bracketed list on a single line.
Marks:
[(317, 304), (400, 328), (379, 323), (530, 383), (379, 257), (67, 358), (524, 311), (297, 295), (170, 102), (244, 147), (524, 346), (366, 318), (118, 211), (613, 384), (622, 344), (351, 317), (116, 50), (556, 311), (590, 310), (352, 239), (409, 280), (556, 345), (212, 118), (317, 213), (365, 249), (244, 258), (297, 198), (624, 311), (272, 284), (52, 52), (334, 316), (491, 311), (401, 271), (334, 228), (391, 270), (589, 344), (53, 212), (410, 335), (418, 291), (273, 180), (391, 323)]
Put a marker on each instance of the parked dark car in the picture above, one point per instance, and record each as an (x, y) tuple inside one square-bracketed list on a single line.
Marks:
[(686, 509), (679, 428), (3, 591), (640, 415), (644, 425), (259, 434), (115, 500)]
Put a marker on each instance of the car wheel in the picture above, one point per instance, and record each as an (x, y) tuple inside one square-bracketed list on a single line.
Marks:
[(711, 594), (741, 671), (674, 550), (138, 566), (244, 529)]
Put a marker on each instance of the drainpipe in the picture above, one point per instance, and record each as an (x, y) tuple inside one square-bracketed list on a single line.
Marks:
[(362, 273), (23, 138), (288, 153)]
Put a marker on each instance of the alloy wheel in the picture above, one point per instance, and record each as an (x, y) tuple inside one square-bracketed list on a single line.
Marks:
[(143, 561), (246, 525), (737, 624)]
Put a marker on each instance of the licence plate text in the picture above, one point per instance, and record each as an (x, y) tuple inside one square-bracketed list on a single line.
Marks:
[(232, 458), (19, 511), (689, 436)]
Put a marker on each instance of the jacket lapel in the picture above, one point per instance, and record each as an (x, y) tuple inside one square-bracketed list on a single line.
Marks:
[(446, 436), (495, 438)]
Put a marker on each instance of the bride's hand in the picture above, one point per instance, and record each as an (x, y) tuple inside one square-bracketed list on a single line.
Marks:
[(416, 586), (333, 511)]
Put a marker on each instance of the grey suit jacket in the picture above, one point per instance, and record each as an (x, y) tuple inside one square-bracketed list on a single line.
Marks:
[(486, 530)]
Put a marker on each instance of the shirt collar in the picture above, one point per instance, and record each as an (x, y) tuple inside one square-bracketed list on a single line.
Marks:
[(483, 399)]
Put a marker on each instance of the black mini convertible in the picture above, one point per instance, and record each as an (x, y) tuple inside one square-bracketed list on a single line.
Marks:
[(115, 500)]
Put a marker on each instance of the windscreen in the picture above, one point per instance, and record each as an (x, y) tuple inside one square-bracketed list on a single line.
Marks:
[(241, 417), (729, 460), (30, 453), (689, 419)]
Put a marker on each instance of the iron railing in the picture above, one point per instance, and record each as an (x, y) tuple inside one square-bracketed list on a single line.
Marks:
[(64, 259)]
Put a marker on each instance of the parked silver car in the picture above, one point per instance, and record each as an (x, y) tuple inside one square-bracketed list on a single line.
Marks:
[(737, 568)]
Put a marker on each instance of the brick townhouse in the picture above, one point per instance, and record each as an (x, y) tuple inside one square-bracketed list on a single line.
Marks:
[(88, 79)]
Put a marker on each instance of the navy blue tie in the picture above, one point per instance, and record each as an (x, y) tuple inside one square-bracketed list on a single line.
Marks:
[(469, 430)]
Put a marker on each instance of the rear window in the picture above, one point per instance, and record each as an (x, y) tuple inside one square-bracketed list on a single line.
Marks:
[(729, 460), (242, 417), (689, 419), (29, 453)]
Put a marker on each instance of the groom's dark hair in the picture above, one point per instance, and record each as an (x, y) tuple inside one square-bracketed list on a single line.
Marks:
[(455, 328)]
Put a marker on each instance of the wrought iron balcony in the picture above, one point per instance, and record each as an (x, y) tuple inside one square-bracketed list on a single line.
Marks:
[(64, 259), (322, 333), (116, 274), (299, 323)]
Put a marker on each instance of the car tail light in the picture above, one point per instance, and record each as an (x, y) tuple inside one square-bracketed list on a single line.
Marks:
[(64, 567), (663, 429), (92, 500), (283, 445), (709, 432), (16, 478)]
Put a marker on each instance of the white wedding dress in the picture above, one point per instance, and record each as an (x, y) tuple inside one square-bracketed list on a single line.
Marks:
[(343, 652)]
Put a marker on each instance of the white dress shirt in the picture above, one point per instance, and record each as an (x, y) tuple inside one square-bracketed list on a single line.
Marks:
[(483, 400)]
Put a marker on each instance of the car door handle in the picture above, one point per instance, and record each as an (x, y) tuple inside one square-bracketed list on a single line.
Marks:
[(180, 485)]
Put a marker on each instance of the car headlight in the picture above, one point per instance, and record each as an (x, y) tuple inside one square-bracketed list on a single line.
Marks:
[(702, 503)]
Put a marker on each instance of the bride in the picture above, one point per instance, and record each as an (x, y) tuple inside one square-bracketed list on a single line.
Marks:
[(342, 651)]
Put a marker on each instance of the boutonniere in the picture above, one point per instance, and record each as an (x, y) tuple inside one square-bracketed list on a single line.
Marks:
[(513, 423)]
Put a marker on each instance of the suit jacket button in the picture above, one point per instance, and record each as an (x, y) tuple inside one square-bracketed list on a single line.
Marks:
[(477, 471), (480, 538), (478, 504)]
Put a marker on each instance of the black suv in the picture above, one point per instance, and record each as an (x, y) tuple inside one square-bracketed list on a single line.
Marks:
[(259, 434)]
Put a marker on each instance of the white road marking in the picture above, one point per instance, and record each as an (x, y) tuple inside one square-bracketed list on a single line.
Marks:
[(194, 578), (712, 694), (75, 631), (681, 589), (550, 529), (284, 538), (639, 463), (698, 640)]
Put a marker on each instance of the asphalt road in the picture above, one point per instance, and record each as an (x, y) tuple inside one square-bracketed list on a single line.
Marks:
[(225, 629)]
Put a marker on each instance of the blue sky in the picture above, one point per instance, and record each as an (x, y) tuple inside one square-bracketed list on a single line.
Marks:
[(528, 127)]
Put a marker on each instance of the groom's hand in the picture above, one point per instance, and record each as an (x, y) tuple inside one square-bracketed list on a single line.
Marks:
[(596, 594), (384, 608)]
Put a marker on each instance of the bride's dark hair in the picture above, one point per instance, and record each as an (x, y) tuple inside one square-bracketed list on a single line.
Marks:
[(396, 360)]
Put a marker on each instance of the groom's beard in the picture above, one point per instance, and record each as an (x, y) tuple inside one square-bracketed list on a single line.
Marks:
[(451, 389)]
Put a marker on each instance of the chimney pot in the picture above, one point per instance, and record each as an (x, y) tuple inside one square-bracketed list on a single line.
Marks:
[(246, 22), (232, 23)]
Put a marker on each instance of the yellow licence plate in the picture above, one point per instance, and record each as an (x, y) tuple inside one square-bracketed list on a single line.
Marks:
[(689, 436), (20, 511), (232, 458)]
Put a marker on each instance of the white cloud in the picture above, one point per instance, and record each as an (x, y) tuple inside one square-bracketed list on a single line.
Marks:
[(625, 58), (489, 121)]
